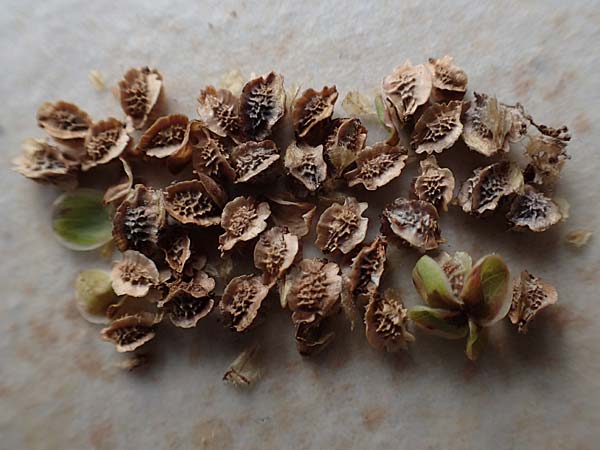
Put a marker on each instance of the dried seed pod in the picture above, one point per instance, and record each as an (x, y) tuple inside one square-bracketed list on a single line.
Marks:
[(486, 125), (139, 92), (219, 110), (262, 104), (131, 332), (345, 142), (434, 184), (342, 227), (105, 141), (254, 162), (312, 108), (310, 337), (63, 120), (534, 211), (241, 301), (209, 153), (185, 310), (366, 270), (243, 219), (139, 219), (483, 191), (356, 103), (46, 164), (131, 306), (117, 192), (134, 274), (193, 280), (198, 202), (414, 222), (438, 128), (386, 322), (448, 80), (530, 295), (548, 156), (377, 166), (176, 245), (295, 216), (274, 253), (404, 90), (306, 165), (166, 137)]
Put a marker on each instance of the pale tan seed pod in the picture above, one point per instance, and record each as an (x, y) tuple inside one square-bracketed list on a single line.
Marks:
[(344, 144), (134, 275), (219, 110), (167, 136), (242, 300), (131, 332), (487, 125), (434, 184), (342, 227), (533, 211), (185, 310), (197, 202), (63, 120), (412, 222), (448, 80), (306, 165), (243, 219), (366, 270), (438, 128), (295, 216), (548, 156), (139, 92), (104, 141), (530, 295), (254, 162), (118, 192), (262, 104), (274, 253), (312, 109), (376, 166), (386, 322), (176, 245)]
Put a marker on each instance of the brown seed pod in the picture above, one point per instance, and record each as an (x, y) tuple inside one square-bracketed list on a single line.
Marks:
[(198, 202), (116, 193), (241, 301), (438, 128), (548, 156), (306, 165), (434, 184), (482, 192), (366, 270), (243, 219), (105, 141), (262, 104), (254, 162), (448, 80), (310, 337), (139, 219), (344, 143), (219, 110), (166, 137), (185, 310), (134, 274), (193, 280), (377, 166), (209, 153), (530, 295), (46, 164), (139, 92), (313, 108), (131, 332), (386, 322), (176, 245), (487, 125), (342, 227), (297, 217), (413, 222), (532, 210), (274, 253), (63, 120)]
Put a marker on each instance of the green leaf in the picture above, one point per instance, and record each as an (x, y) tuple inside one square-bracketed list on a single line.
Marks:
[(433, 285), (475, 341), (81, 221), (440, 322)]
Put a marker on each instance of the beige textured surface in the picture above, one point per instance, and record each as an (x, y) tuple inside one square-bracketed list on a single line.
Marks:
[(59, 388)]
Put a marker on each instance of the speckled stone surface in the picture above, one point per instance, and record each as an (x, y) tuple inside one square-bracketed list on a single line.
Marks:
[(59, 386)]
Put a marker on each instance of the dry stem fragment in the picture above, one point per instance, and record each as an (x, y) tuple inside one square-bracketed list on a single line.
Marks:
[(313, 108), (105, 141), (342, 227), (377, 166), (63, 120), (262, 104), (134, 274), (530, 295), (97, 80), (243, 219), (438, 128), (386, 322), (434, 184), (241, 301), (197, 202), (139, 92), (244, 370), (414, 222)]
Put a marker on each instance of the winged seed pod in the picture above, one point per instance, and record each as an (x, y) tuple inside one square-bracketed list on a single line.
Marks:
[(548, 156), (219, 110), (313, 108), (116, 193), (241, 301), (193, 280), (448, 80), (134, 274), (176, 245), (343, 145), (295, 216), (366, 270), (254, 162), (386, 322), (306, 165), (342, 227), (185, 310), (530, 295), (376, 166), (438, 128), (533, 211), (166, 137), (198, 202), (412, 222), (209, 153), (434, 184), (139, 92), (243, 219), (274, 253), (105, 141), (262, 104), (63, 120), (131, 332)]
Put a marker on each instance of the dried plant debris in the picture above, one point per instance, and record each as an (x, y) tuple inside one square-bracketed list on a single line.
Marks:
[(448, 80), (296, 216), (412, 222), (218, 109), (105, 141), (243, 219), (209, 153), (438, 128), (176, 245), (134, 274), (197, 202), (139, 91), (185, 310), (547, 157), (313, 108), (366, 270), (483, 192), (167, 136), (533, 211), (275, 252), (46, 164), (342, 227), (97, 80), (193, 280), (63, 120), (254, 162), (344, 143), (131, 332), (386, 322), (262, 104), (530, 295), (241, 301), (306, 165), (118, 192), (134, 362), (578, 237), (244, 370), (434, 184), (130, 306), (376, 166), (358, 104)]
